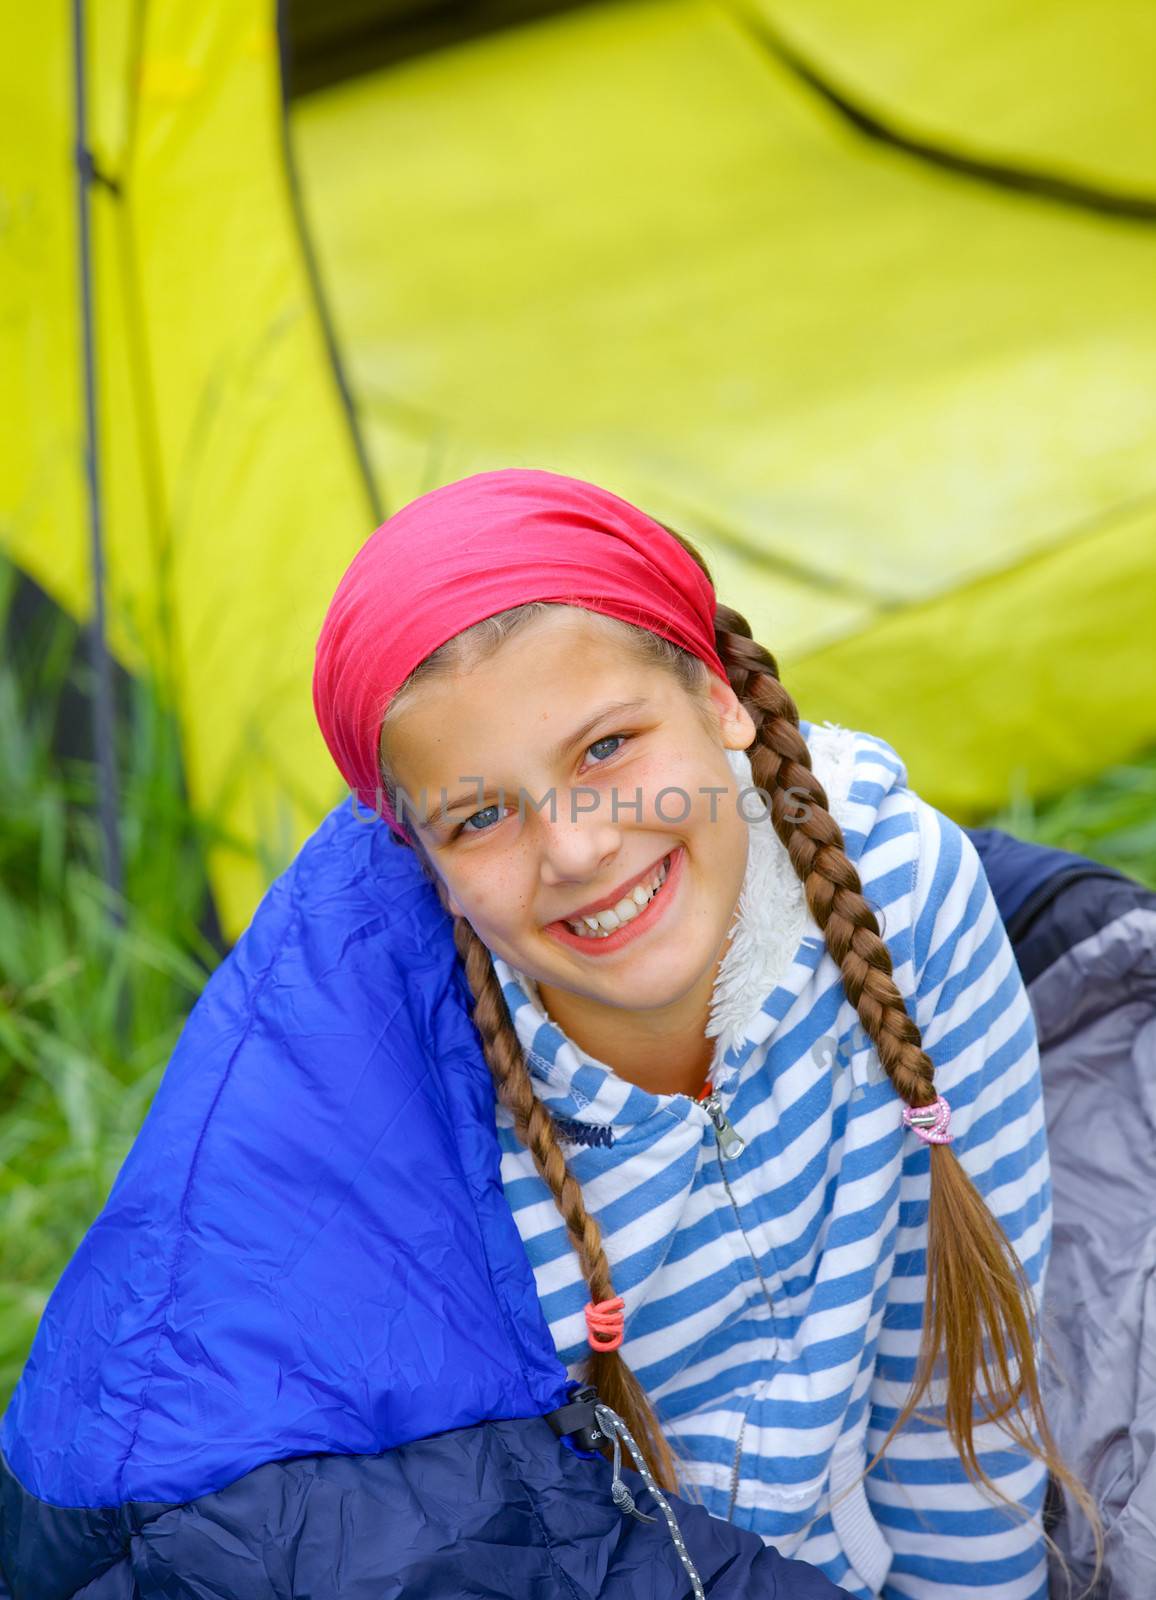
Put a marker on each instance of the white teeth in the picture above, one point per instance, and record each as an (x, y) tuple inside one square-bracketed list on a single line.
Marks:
[(601, 923)]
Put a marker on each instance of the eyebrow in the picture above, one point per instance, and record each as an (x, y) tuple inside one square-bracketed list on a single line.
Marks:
[(561, 749)]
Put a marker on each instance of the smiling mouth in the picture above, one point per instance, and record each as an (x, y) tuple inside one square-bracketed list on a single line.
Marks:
[(601, 924)]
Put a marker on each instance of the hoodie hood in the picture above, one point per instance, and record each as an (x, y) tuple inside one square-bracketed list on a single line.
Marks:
[(640, 1155), (772, 926)]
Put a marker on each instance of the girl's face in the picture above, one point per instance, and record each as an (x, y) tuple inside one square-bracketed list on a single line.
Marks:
[(574, 776)]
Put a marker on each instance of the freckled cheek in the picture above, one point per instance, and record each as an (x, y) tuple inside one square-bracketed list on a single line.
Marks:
[(494, 903), (687, 787)]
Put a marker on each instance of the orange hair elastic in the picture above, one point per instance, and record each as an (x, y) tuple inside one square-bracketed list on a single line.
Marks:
[(604, 1323)]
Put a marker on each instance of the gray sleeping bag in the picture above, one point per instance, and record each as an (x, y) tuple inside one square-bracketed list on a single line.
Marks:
[(1085, 940)]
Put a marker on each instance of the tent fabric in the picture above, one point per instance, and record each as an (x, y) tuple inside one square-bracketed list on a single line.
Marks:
[(1062, 89), (328, 41), (906, 414), (233, 495)]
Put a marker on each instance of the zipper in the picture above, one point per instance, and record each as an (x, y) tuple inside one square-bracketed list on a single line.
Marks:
[(735, 1464), (731, 1144)]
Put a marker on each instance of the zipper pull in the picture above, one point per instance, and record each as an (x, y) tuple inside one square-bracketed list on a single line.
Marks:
[(730, 1142)]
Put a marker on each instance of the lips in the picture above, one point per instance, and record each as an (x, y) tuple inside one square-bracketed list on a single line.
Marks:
[(614, 896), (606, 943), (630, 907)]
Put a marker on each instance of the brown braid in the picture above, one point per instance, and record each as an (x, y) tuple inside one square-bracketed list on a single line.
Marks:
[(979, 1313), (606, 1370), (781, 764)]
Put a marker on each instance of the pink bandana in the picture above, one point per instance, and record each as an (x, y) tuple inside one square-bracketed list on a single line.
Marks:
[(469, 550)]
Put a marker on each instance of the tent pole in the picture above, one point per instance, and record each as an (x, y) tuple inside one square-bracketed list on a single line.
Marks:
[(104, 709)]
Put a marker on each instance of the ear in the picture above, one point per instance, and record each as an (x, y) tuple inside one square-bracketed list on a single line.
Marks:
[(735, 723)]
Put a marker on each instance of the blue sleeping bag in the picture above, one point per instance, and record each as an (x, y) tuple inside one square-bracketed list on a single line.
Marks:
[(300, 1352)]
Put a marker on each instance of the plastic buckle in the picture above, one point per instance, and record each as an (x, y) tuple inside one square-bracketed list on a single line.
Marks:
[(576, 1422)]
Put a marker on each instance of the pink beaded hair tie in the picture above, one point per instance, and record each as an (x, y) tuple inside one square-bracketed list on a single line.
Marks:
[(931, 1123), (604, 1323)]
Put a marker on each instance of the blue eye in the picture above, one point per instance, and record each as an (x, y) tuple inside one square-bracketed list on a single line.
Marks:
[(610, 738), (615, 739), (465, 826)]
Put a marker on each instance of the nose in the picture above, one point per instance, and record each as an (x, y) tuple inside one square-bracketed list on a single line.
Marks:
[(576, 850)]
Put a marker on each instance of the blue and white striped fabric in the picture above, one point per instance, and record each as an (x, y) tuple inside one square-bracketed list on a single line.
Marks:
[(774, 1301)]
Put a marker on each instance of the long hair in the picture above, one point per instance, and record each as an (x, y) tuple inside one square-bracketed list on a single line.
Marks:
[(980, 1324)]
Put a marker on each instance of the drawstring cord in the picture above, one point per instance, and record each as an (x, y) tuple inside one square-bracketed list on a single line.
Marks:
[(619, 1493), (616, 1430)]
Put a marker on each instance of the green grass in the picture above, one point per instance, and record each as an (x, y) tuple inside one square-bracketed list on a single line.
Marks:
[(1112, 819), (90, 1008)]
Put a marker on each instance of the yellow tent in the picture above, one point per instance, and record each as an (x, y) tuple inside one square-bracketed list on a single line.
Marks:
[(862, 298)]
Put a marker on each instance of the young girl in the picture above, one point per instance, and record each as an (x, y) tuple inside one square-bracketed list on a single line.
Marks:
[(768, 1175)]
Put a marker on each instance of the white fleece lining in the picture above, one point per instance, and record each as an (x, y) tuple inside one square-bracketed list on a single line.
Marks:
[(771, 917)]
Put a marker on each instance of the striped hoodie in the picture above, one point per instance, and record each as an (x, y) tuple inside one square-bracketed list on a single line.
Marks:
[(774, 1295)]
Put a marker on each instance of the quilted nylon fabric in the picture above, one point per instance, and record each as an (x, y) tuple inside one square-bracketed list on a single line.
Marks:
[(308, 1248), (536, 1522), (493, 1512)]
